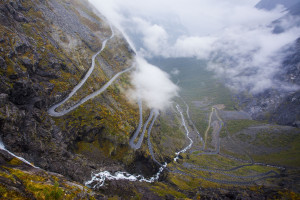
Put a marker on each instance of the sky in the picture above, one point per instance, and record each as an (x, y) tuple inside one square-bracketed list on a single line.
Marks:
[(235, 38)]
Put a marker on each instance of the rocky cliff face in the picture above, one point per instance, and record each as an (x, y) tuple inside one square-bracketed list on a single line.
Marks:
[(278, 106), (45, 49)]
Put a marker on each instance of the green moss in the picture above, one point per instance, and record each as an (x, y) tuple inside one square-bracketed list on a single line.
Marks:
[(7, 176), (287, 194), (162, 190), (55, 193), (114, 198), (41, 186), (2, 190), (27, 28), (235, 126), (288, 157), (15, 161), (6, 194)]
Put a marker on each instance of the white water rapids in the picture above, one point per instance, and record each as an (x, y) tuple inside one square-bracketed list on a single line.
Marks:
[(99, 178)]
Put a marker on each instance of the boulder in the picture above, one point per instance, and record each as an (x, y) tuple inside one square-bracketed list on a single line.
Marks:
[(21, 47)]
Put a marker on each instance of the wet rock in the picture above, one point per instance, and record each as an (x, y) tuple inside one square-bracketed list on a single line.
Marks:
[(288, 111), (22, 93), (13, 77), (5, 157), (48, 87), (14, 4), (46, 74), (169, 197), (11, 54), (19, 17), (18, 6), (3, 63), (3, 99), (56, 64), (28, 63), (22, 47)]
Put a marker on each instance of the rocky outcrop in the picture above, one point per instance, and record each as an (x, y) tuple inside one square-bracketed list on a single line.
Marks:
[(44, 51), (279, 106), (14, 9)]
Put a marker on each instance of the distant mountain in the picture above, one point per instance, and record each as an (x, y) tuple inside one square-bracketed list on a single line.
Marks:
[(271, 4), (278, 106), (295, 9)]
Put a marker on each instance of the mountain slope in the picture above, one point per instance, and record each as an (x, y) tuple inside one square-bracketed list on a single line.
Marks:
[(271, 4), (46, 47)]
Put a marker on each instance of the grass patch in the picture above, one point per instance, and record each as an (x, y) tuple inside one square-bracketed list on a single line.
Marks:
[(234, 126)]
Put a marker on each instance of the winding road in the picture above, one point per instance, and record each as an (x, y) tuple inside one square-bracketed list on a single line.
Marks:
[(139, 143), (149, 140), (98, 179), (255, 177), (52, 110)]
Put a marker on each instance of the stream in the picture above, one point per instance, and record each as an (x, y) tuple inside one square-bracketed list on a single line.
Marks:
[(98, 179)]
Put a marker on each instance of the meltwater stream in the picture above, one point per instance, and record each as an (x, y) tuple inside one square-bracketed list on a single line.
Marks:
[(2, 147), (187, 134), (98, 179)]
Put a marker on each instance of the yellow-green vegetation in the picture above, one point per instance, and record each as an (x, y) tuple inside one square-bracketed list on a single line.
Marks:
[(188, 183), (79, 4), (110, 113), (286, 194), (215, 161), (39, 31), (97, 150), (15, 161), (169, 136), (244, 171), (162, 190), (289, 156), (40, 185), (110, 110), (94, 83), (272, 137), (234, 126)]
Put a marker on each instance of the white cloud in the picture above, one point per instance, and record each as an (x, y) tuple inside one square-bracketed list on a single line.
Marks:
[(154, 36), (234, 36), (152, 85)]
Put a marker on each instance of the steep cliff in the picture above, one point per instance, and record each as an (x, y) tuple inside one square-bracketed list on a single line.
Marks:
[(46, 48)]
